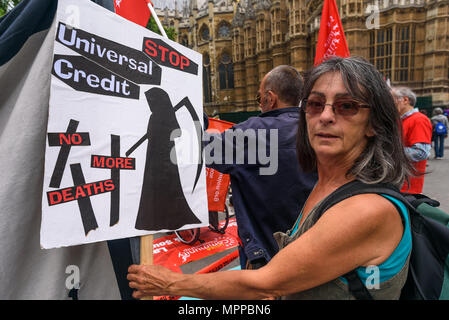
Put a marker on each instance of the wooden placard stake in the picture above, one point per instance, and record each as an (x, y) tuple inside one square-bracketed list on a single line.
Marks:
[(146, 254)]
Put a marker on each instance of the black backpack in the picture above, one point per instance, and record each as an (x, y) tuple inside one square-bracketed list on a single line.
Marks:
[(428, 275)]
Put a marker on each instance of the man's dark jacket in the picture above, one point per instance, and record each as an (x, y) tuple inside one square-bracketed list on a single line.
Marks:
[(265, 204)]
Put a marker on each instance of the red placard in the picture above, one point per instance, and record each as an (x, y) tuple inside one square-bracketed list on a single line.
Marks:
[(214, 267), (169, 252), (217, 183)]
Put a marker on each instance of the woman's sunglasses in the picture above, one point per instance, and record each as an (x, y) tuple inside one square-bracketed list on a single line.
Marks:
[(342, 107)]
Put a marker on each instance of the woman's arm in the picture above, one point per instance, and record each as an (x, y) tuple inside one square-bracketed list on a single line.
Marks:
[(157, 280), (362, 230)]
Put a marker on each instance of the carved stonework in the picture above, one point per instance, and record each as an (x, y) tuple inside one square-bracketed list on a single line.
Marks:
[(258, 43), (239, 16), (250, 13), (263, 5)]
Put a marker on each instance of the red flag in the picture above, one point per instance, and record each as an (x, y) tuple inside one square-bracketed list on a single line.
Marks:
[(331, 40), (216, 125), (134, 10)]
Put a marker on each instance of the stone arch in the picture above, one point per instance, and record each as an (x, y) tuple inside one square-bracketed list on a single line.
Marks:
[(204, 33)]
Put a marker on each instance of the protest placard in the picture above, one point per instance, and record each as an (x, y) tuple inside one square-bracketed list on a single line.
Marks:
[(123, 155)]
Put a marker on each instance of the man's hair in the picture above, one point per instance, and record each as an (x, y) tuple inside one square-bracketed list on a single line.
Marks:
[(437, 111), (384, 159), (286, 82), (406, 92)]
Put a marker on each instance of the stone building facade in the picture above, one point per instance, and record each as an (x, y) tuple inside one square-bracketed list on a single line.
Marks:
[(407, 40), (207, 29)]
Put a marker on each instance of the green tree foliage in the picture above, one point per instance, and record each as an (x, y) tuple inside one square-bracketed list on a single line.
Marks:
[(152, 25), (6, 5)]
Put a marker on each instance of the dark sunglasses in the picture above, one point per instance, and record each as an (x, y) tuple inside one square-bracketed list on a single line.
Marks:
[(342, 107)]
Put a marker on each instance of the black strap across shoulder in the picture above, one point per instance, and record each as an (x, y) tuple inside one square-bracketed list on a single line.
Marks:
[(357, 287), (355, 284), (356, 187)]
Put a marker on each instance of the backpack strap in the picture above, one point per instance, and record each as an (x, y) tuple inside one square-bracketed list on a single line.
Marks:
[(357, 287), (355, 284), (356, 187), (417, 199)]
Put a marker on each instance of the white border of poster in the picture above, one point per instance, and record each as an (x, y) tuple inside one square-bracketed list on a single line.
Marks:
[(99, 79)]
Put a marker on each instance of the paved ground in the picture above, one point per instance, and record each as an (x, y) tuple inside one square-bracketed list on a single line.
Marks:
[(436, 180)]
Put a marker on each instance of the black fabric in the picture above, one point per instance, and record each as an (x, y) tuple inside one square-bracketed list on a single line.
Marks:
[(351, 189), (431, 248), (417, 199), (120, 251), (263, 203), (356, 286), (108, 4), (26, 19), (73, 293), (256, 264), (430, 240)]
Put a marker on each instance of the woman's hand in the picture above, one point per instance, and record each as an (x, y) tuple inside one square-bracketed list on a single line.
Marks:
[(150, 280)]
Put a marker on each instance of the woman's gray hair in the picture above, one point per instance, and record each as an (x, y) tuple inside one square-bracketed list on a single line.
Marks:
[(384, 159)]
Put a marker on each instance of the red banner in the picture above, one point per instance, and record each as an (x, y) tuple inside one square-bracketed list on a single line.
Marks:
[(217, 188), (217, 183), (331, 40), (216, 125), (214, 267), (169, 252), (136, 11)]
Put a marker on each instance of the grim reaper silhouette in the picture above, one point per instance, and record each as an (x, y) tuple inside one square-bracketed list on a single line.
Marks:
[(162, 201)]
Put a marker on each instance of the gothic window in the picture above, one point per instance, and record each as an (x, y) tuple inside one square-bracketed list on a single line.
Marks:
[(224, 31), (204, 33), (185, 41), (351, 7), (403, 56), (393, 43), (207, 83), (226, 72), (381, 50), (260, 34), (249, 41)]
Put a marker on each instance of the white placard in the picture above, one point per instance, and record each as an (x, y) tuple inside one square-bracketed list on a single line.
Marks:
[(123, 155)]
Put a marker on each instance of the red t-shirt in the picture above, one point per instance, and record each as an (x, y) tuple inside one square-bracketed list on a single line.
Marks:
[(416, 129)]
